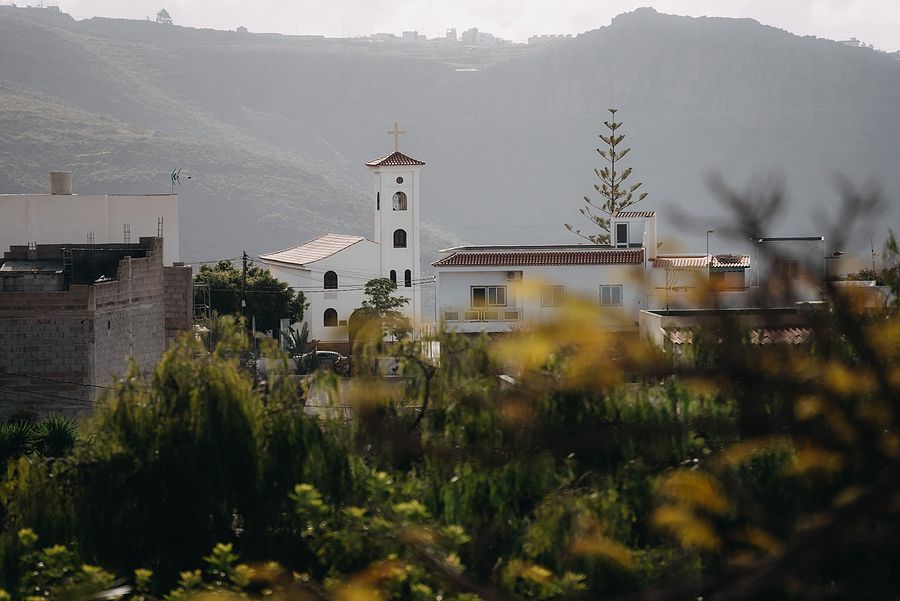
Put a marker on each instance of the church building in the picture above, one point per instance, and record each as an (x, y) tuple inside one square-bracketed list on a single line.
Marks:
[(332, 270)]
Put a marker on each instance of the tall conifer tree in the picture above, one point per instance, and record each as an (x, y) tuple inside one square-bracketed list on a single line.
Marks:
[(614, 192)]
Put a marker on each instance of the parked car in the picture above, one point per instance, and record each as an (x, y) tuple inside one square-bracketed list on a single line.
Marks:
[(316, 360)]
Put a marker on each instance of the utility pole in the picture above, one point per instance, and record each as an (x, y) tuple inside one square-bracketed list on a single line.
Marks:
[(872, 242), (244, 282)]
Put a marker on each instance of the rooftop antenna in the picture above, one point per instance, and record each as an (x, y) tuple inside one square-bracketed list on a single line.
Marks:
[(872, 242), (175, 176)]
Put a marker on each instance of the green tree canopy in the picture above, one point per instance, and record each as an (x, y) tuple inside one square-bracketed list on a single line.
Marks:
[(163, 17), (268, 299), (381, 307), (615, 193)]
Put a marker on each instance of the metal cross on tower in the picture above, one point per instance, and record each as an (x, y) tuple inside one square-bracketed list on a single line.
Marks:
[(396, 133)]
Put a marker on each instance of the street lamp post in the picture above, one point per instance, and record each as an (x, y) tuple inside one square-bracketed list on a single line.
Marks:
[(708, 232)]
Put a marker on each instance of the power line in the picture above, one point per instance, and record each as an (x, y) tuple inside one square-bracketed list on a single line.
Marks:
[(229, 260), (415, 283), (81, 403), (60, 381)]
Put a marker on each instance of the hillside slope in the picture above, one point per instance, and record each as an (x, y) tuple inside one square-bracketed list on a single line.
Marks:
[(275, 129)]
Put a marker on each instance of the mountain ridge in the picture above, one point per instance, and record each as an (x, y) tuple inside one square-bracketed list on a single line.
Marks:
[(276, 128)]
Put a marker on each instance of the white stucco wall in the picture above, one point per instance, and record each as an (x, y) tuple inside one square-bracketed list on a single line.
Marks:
[(387, 220), (641, 233), (354, 266), (687, 289), (68, 218), (454, 286)]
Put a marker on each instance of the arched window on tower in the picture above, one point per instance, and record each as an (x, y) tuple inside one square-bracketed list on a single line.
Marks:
[(399, 238), (400, 201), (393, 276), (378, 201), (407, 278), (331, 281), (330, 318)]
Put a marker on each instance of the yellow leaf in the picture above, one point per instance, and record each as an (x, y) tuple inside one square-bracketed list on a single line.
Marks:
[(691, 530), (604, 548), (807, 407), (815, 459), (354, 591), (695, 488), (764, 541)]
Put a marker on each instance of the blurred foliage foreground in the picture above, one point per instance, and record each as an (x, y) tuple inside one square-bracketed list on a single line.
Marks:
[(764, 472)]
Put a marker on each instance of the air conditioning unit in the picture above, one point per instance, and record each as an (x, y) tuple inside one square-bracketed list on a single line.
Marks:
[(513, 276)]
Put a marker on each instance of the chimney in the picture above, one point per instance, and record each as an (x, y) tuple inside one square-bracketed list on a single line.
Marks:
[(60, 182)]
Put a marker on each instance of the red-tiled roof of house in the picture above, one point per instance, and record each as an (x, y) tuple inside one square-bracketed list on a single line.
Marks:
[(542, 257), (701, 261), (758, 336), (395, 159), (730, 261), (635, 214), (764, 336)]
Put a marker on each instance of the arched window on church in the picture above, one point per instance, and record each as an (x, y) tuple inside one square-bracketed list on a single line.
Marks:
[(400, 201), (393, 276), (399, 238), (407, 278), (331, 282), (378, 201), (330, 318)]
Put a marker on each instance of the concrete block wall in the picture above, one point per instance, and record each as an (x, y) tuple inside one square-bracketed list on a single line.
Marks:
[(129, 316), (45, 352), (178, 300), (58, 349)]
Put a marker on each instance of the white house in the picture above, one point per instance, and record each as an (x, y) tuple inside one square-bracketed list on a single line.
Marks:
[(332, 270), (685, 281), (62, 217), (498, 288)]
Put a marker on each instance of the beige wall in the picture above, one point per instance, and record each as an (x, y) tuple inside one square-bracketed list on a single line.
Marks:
[(68, 218)]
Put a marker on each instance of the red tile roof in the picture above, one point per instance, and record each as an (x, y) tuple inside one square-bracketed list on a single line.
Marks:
[(758, 336), (730, 261), (764, 336), (395, 159), (635, 214), (528, 258), (701, 261)]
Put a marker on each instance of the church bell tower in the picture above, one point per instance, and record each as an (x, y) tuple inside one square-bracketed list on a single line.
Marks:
[(396, 210)]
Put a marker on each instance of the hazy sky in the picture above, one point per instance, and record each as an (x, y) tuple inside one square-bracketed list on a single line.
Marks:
[(873, 21)]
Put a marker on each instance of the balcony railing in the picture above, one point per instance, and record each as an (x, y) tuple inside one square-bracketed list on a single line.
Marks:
[(482, 314)]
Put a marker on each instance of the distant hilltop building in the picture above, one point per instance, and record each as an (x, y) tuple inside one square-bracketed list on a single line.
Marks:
[(413, 37), (852, 42), (546, 39), (241, 29), (481, 39), (470, 37), (382, 37)]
